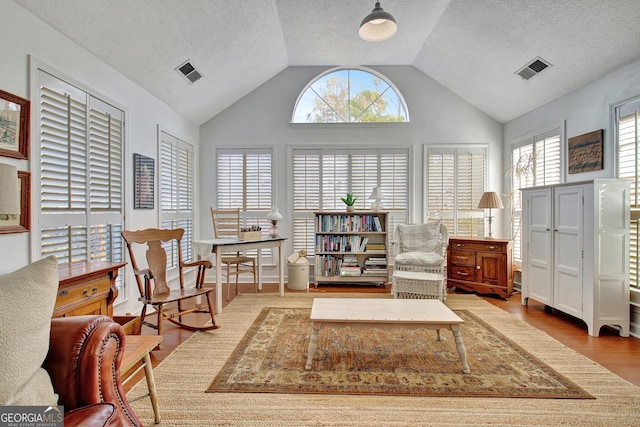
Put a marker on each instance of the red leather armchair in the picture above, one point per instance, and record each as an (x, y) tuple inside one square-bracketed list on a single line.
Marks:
[(84, 359)]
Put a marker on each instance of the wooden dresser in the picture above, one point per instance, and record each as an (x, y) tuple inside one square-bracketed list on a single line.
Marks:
[(87, 288), (90, 288), (480, 265)]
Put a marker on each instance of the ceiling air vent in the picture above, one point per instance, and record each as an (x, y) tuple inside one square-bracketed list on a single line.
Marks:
[(189, 72), (534, 67)]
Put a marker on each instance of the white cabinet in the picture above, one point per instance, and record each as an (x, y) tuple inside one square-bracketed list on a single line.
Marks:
[(575, 250)]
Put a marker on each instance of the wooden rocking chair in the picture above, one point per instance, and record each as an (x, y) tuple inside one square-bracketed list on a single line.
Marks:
[(152, 281)]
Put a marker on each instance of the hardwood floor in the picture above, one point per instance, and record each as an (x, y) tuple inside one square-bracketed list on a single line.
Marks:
[(619, 355)]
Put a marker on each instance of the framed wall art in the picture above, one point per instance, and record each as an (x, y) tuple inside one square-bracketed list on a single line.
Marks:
[(14, 126), (143, 182), (19, 223), (585, 152)]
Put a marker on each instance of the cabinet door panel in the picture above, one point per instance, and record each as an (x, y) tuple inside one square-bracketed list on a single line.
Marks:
[(568, 231), (536, 244), (491, 269)]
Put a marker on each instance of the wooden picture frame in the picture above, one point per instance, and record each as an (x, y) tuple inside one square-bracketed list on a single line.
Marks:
[(14, 126), (19, 223), (586, 152), (143, 182)]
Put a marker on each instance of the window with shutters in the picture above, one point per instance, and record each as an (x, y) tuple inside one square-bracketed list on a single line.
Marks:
[(455, 182), (81, 169), (534, 162), (627, 136), (176, 193), (321, 177), (244, 180), (350, 95)]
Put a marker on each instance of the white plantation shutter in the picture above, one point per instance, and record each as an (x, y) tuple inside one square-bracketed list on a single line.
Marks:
[(306, 198), (394, 185), (176, 193), (441, 186), (365, 173), (327, 176), (535, 162), (455, 182), (230, 182), (244, 180), (81, 164), (335, 179), (258, 181), (628, 141), (470, 179)]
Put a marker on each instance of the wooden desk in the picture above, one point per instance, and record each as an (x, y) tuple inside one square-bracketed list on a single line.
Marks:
[(220, 246), (136, 357), (87, 288)]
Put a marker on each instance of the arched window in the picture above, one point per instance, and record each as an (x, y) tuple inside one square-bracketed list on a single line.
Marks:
[(350, 95)]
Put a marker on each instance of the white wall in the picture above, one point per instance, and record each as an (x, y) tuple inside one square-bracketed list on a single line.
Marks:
[(262, 118), (25, 35), (582, 111)]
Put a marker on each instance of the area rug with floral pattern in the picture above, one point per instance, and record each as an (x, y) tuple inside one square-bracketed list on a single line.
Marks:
[(385, 361)]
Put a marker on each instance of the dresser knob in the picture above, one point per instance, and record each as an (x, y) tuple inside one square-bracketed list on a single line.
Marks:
[(477, 267)]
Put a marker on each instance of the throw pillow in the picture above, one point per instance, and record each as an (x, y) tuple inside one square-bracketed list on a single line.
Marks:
[(27, 298)]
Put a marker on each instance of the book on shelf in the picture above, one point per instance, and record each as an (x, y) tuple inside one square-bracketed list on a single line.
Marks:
[(348, 223), (350, 271), (376, 246), (376, 272)]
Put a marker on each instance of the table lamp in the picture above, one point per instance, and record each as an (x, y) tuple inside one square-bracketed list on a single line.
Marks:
[(490, 200), (274, 216), (376, 195)]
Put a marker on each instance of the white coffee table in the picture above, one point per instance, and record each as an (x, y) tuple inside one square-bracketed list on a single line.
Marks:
[(366, 312)]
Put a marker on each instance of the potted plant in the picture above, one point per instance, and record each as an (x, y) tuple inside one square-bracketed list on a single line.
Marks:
[(349, 201)]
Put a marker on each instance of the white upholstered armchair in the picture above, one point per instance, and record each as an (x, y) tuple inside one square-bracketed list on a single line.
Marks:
[(422, 247)]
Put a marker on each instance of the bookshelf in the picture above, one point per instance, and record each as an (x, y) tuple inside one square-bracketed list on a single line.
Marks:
[(351, 247)]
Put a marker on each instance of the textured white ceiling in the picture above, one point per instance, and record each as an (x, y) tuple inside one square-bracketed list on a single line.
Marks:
[(472, 47)]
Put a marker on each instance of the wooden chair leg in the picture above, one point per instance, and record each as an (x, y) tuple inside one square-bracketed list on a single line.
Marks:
[(211, 309), (255, 280), (228, 283), (237, 276), (159, 308), (143, 314)]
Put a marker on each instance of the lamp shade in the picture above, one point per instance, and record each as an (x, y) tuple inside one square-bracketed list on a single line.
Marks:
[(9, 190), (274, 215), (490, 200), (378, 25), (376, 194)]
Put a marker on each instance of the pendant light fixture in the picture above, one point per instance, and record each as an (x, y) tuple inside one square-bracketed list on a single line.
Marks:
[(378, 25)]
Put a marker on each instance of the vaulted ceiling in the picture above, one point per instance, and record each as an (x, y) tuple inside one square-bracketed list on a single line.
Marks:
[(472, 47)]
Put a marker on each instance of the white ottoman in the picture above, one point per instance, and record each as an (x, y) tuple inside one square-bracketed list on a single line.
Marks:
[(418, 285)]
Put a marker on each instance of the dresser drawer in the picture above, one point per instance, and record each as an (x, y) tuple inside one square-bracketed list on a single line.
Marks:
[(81, 294), (464, 258), (478, 246), (463, 273)]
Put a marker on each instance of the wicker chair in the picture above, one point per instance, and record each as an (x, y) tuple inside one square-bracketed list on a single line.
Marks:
[(421, 248)]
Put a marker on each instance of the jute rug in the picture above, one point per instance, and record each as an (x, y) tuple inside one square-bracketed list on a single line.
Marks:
[(183, 377), (388, 361)]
